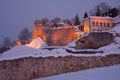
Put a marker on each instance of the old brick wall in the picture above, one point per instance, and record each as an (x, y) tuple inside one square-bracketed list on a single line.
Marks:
[(29, 68)]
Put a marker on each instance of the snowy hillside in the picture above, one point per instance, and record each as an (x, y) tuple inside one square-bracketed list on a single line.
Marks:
[(116, 29), (105, 73), (37, 49)]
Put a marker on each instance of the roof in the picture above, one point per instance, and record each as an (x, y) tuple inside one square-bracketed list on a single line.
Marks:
[(106, 17)]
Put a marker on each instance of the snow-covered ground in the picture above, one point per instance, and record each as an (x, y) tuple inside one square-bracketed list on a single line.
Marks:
[(104, 73), (116, 29)]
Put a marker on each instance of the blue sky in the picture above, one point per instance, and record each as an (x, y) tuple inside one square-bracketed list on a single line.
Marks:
[(17, 14)]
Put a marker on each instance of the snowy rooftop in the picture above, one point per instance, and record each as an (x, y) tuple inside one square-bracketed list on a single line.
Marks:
[(105, 17)]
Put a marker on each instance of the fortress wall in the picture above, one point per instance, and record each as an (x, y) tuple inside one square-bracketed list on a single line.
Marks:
[(55, 37)]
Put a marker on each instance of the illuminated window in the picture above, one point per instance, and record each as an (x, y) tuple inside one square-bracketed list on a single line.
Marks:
[(96, 23), (93, 23), (108, 24), (104, 24), (101, 24)]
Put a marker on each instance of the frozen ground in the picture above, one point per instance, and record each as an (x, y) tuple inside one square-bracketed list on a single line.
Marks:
[(105, 73)]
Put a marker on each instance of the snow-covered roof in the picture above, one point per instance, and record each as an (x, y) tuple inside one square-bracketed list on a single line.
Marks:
[(105, 17), (97, 17)]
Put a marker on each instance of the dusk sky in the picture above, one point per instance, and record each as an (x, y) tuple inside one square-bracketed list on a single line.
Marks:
[(18, 14)]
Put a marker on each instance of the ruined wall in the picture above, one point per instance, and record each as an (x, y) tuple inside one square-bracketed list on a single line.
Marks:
[(60, 37), (94, 40), (55, 37), (29, 68)]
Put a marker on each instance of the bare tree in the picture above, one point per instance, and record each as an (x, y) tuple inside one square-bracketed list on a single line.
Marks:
[(103, 9), (25, 35), (7, 42)]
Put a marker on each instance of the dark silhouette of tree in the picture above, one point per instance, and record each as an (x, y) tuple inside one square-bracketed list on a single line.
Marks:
[(56, 20), (76, 20), (98, 12), (67, 21), (7, 42), (113, 12), (45, 19), (3, 49), (118, 7), (102, 9), (25, 35), (85, 15)]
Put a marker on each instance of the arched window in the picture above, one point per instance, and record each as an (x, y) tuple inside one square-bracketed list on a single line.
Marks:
[(108, 24), (101, 24), (104, 24), (93, 23), (96, 23)]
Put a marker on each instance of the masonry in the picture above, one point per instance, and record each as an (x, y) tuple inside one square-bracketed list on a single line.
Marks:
[(54, 36), (30, 68)]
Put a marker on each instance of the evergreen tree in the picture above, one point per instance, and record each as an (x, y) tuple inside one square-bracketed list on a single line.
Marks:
[(77, 21), (97, 12), (85, 15), (113, 12)]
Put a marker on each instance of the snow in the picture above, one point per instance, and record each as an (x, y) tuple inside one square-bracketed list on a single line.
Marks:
[(72, 44), (16, 52), (116, 29), (25, 51), (104, 73), (112, 48), (117, 19), (105, 17), (37, 43)]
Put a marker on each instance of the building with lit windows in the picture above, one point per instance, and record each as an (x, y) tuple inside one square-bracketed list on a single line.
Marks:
[(94, 23)]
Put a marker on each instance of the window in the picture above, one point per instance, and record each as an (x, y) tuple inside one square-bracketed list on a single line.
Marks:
[(93, 23), (96, 23), (101, 24), (104, 24), (108, 24)]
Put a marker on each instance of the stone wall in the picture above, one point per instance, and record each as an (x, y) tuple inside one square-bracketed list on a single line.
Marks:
[(29, 68), (56, 36), (94, 40)]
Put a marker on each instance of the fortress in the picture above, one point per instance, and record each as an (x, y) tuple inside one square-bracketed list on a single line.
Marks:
[(54, 36)]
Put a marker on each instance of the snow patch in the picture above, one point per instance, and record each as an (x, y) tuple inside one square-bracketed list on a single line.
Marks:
[(37, 43), (72, 44)]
